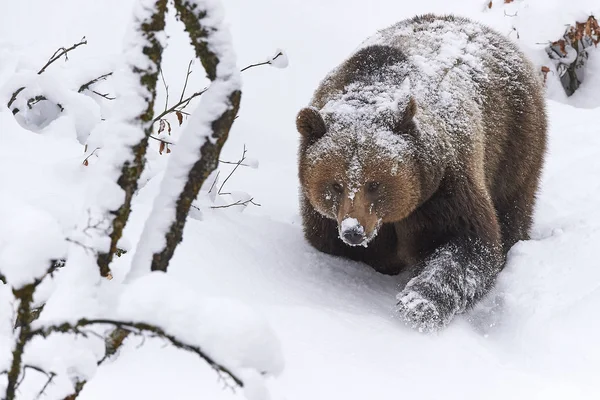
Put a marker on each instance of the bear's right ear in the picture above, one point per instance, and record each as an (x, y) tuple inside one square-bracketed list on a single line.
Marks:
[(310, 123)]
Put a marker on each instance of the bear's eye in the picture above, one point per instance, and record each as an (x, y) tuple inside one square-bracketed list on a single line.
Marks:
[(372, 187), (337, 188)]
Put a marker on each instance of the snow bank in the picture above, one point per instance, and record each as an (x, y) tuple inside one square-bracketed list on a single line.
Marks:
[(227, 330)]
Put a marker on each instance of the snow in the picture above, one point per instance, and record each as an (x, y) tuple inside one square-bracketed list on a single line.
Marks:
[(279, 60), (242, 340), (534, 336)]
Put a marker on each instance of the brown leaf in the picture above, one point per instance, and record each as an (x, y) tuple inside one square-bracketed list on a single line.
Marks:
[(179, 117), (161, 148), (168, 127), (490, 4), (85, 162), (561, 45), (168, 149), (545, 71), (508, 1), (161, 126)]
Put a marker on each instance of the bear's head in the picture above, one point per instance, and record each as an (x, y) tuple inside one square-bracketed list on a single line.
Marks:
[(361, 172)]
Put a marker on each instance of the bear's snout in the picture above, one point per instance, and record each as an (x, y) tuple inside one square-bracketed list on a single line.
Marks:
[(354, 236), (352, 232)]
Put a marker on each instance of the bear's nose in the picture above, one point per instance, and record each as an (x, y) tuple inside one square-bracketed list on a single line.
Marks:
[(353, 236)]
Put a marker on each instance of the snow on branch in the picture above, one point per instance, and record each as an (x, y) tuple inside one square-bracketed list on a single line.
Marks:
[(144, 55), (56, 56), (136, 328), (201, 141)]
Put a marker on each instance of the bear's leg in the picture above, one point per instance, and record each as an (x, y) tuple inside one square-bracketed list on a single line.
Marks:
[(515, 220), (516, 211), (461, 269)]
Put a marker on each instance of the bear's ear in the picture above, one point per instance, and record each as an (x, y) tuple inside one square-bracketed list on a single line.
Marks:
[(407, 116), (310, 123)]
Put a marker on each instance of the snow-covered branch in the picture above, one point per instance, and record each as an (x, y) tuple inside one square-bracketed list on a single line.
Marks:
[(143, 58), (136, 328), (56, 56), (201, 141)]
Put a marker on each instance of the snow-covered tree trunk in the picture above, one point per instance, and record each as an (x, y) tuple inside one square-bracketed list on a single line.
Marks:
[(143, 58), (197, 152)]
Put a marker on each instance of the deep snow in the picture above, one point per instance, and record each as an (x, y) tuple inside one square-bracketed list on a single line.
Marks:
[(534, 337)]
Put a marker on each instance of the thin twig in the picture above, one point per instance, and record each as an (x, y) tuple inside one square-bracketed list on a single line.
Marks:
[(84, 162), (162, 77), (239, 203), (233, 170), (105, 95), (93, 81), (62, 52), (255, 65), (182, 103), (161, 140), (214, 182), (189, 71), (234, 163), (185, 102)]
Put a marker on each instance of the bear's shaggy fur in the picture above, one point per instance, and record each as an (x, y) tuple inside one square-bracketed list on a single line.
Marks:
[(422, 152)]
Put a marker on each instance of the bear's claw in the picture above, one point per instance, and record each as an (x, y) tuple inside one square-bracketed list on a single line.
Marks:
[(419, 312)]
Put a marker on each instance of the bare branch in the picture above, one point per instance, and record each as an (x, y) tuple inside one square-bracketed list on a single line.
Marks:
[(161, 140), (162, 77), (62, 52), (87, 85), (238, 203), (182, 103), (49, 375), (187, 75), (233, 170), (85, 161)]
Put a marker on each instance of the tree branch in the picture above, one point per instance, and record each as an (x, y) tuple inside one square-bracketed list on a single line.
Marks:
[(87, 85), (136, 328), (233, 170), (191, 16), (62, 52), (57, 55), (132, 170)]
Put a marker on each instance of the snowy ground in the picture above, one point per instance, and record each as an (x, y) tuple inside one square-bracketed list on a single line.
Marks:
[(534, 337)]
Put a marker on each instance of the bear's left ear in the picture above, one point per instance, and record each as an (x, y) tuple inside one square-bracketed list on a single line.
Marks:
[(407, 116), (310, 123)]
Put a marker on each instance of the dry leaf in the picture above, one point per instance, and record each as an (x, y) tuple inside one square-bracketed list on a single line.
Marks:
[(508, 1), (168, 149), (168, 127), (490, 4), (85, 162), (545, 71), (161, 126), (179, 117), (161, 148)]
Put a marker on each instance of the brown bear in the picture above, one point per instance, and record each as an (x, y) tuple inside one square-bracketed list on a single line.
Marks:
[(422, 153)]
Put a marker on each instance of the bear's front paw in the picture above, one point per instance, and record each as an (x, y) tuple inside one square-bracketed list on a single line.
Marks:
[(419, 312)]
